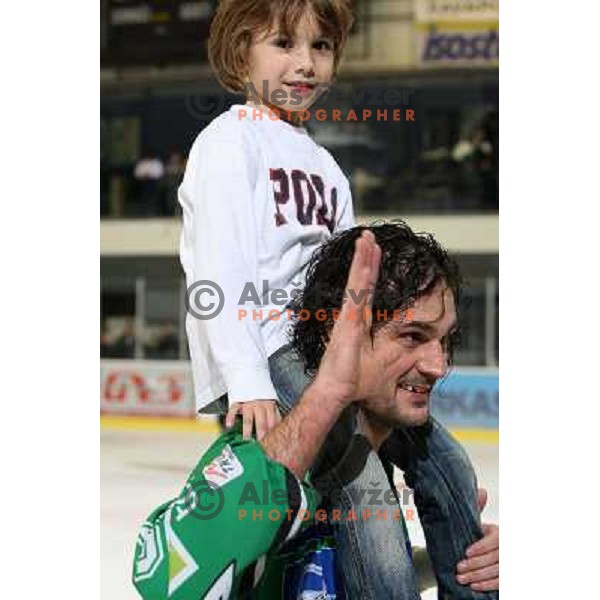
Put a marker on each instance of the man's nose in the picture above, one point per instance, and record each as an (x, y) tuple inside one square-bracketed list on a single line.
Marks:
[(434, 360)]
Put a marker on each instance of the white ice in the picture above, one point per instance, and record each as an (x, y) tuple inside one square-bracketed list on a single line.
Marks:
[(142, 469)]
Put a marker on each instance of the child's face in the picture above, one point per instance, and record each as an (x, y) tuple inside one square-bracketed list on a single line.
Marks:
[(291, 73)]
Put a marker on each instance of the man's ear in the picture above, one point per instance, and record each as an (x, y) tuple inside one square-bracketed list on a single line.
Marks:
[(482, 497)]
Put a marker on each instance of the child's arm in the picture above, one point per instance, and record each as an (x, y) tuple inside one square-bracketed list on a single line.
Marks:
[(346, 219), (219, 184)]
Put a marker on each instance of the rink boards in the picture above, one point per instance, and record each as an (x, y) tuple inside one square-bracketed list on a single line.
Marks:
[(467, 399)]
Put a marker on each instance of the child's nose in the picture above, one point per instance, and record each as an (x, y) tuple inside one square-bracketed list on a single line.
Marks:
[(304, 59)]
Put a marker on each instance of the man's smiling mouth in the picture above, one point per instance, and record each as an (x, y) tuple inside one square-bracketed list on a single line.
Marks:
[(415, 388)]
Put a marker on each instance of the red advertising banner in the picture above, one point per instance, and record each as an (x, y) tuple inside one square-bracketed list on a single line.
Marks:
[(157, 388)]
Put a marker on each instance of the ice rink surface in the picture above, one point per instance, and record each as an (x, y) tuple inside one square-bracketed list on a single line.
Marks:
[(142, 469)]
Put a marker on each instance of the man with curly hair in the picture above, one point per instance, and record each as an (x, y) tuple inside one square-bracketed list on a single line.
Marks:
[(409, 357), (366, 402)]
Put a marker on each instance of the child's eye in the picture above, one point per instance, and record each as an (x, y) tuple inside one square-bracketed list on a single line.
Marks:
[(283, 42), (323, 45)]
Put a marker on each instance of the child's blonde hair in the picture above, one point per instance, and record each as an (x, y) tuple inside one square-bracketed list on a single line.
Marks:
[(237, 21)]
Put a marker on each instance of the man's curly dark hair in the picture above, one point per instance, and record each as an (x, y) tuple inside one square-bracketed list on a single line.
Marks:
[(412, 264)]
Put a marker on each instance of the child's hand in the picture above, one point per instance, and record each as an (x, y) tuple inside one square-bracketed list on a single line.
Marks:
[(263, 414)]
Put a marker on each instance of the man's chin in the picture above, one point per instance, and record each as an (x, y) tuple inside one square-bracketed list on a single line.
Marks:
[(416, 415), (420, 417), (411, 408), (412, 418), (401, 411)]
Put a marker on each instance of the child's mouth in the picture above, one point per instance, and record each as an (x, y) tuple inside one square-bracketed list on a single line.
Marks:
[(301, 86)]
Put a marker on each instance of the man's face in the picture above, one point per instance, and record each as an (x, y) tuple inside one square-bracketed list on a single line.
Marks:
[(409, 357)]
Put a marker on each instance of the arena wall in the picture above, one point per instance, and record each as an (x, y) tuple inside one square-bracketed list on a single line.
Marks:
[(466, 399)]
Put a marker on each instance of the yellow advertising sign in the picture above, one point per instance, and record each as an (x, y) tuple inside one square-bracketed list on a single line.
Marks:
[(456, 11), (456, 33)]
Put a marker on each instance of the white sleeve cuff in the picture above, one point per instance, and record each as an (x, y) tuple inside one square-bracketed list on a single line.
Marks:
[(249, 382)]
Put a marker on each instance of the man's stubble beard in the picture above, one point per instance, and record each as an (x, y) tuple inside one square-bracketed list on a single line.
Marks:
[(397, 421)]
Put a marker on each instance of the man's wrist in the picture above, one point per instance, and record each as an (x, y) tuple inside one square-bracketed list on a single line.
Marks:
[(332, 392)]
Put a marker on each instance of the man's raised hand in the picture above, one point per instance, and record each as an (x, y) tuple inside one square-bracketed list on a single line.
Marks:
[(295, 442), (349, 342)]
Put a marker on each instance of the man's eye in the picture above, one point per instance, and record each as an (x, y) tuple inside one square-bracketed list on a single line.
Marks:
[(413, 337)]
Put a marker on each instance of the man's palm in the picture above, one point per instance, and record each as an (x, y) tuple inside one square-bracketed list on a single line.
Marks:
[(349, 349)]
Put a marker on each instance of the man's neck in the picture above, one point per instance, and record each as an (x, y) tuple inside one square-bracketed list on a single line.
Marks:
[(373, 428)]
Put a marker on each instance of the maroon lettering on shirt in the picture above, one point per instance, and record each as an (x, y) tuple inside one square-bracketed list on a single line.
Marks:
[(281, 192), (306, 188)]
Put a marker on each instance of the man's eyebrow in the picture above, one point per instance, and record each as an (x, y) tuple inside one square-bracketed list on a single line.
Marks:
[(418, 324), (426, 326)]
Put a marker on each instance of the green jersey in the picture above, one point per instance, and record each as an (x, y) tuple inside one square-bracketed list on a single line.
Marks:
[(220, 538)]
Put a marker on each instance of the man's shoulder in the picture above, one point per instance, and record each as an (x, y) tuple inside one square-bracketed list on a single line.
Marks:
[(343, 454)]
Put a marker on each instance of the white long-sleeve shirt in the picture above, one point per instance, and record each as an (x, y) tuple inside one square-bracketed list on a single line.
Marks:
[(258, 197)]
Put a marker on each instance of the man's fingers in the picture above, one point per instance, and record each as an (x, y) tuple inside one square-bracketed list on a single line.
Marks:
[(478, 562), (480, 575), (230, 418), (375, 262), (489, 542), (357, 276), (361, 278), (486, 586), (482, 497)]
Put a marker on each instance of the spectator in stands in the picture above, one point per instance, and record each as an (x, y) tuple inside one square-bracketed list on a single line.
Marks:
[(164, 343), (168, 341), (149, 172), (491, 188), (124, 346), (105, 350), (484, 167), (174, 171), (478, 159)]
